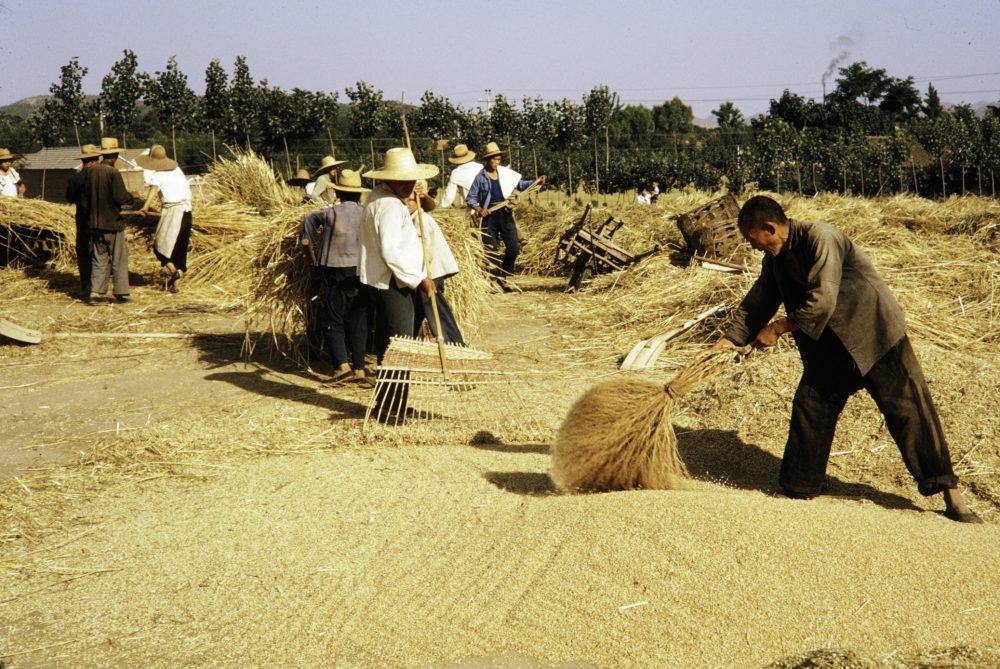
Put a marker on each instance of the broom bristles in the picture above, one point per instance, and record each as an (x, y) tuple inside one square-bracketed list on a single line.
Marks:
[(619, 436)]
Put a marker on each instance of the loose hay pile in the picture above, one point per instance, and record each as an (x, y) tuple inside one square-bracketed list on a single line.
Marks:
[(35, 231), (619, 436)]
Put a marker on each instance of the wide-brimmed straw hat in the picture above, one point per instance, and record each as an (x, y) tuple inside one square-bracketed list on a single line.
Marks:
[(461, 155), (492, 149), (5, 154), (400, 165), (156, 160), (327, 164), (301, 178), (109, 145), (88, 151), (349, 181)]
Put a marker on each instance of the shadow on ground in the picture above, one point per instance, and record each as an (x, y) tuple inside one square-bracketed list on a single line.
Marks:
[(720, 456), (274, 377)]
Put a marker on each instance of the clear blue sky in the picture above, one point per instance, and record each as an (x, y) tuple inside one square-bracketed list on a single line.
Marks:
[(704, 51)]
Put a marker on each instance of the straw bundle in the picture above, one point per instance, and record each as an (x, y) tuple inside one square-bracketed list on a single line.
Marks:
[(248, 179), (280, 284), (24, 223), (618, 435)]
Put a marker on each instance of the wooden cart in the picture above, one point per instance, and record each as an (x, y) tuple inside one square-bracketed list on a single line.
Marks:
[(586, 249)]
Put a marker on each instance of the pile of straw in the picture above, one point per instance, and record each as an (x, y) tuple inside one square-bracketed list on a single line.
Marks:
[(19, 217), (619, 436), (247, 179)]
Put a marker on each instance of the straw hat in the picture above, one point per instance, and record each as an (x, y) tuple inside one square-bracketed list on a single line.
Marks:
[(89, 151), (327, 164), (156, 160), (461, 155), (5, 154), (492, 149), (400, 165), (301, 178), (109, 145), (349, 181)]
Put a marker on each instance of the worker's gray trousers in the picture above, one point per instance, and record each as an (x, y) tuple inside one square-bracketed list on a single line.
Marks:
[(109, 252)]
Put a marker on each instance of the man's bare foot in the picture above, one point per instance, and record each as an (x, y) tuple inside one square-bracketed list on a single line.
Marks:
[(956, 509)]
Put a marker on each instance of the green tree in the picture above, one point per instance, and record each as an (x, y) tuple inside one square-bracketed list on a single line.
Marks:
[(932, 103), (935, 134), (539, 126), (215, 111), (673, 119), (172, 100), (965, 142), (599, 105), (364, 111), (69, 99), (729, 117), (46, 125), (991, 148), (633, 126), (244, 108), (436, 117), (121, 90), (901, 101), (506, 122), (569, 132)]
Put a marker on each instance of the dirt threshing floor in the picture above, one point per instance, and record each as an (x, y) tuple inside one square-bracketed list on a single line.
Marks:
[(166, 505)]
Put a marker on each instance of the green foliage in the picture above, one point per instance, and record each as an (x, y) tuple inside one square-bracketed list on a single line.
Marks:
[(121, 90), (171, 99), (214, 108)]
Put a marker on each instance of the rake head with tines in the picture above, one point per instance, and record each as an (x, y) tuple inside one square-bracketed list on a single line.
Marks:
[(412, 388)]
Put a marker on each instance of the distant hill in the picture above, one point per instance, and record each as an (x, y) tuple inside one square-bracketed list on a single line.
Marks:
[(24, 108)]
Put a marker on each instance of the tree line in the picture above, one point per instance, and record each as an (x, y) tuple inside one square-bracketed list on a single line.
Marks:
[(872, 134)]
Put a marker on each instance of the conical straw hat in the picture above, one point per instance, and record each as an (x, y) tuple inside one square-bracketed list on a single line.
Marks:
[(400, 165)]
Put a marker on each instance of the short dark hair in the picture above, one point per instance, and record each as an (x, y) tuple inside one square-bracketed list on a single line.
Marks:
[(759, 210), (349, 196)]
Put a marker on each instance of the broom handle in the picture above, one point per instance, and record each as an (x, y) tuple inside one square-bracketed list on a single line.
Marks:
[(433, 296)]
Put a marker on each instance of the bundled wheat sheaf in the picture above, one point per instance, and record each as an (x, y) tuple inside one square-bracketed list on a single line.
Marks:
[(619, 436)]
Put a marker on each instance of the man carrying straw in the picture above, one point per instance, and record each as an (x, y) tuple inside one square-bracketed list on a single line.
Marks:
[(851, 334)]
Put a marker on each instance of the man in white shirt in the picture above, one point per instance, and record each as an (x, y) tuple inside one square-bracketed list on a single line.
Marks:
[(391, 258), (461, 178), (10, 181)]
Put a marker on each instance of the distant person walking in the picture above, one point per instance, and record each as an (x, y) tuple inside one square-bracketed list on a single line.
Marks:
[(77, 193), (173, 232), (106, 195)]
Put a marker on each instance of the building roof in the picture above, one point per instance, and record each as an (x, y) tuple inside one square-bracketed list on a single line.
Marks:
[(66, 158)]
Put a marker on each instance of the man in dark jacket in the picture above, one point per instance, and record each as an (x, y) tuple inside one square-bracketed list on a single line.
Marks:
[(106, 195), (77, 192), (851, 334)]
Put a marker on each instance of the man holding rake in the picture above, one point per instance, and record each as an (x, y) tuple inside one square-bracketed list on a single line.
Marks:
[(851, 334)]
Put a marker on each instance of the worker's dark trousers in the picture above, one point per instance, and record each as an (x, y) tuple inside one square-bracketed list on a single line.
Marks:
[(393, 316), (343, 316), (897, 385), (422, 309), (500, 227), (109, 262), (83, 260)]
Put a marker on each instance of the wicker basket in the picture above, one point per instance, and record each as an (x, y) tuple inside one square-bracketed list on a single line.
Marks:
[(711, 231)]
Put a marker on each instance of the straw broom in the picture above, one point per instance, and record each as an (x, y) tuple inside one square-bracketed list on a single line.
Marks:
[(618, 435)]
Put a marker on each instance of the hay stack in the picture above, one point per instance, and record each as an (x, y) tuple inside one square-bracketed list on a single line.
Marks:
[(247, 179), (32, 227), (618, 435)]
